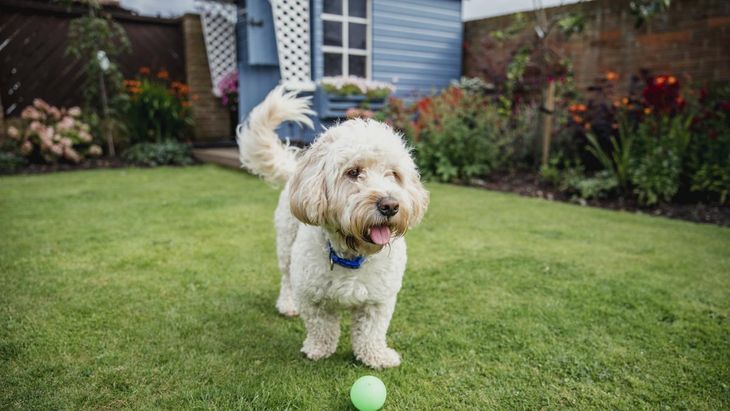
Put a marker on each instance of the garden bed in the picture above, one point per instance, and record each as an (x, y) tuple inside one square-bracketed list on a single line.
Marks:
[(530, 185)]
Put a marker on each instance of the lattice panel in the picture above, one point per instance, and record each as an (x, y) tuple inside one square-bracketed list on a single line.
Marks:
[(219, 31), (291, 21)]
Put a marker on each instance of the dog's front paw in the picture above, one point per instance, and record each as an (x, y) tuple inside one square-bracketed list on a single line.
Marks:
[(287, 309), (315, 351), (380, 358)]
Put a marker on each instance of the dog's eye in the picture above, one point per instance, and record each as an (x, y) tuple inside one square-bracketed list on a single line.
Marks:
[(353, 173)]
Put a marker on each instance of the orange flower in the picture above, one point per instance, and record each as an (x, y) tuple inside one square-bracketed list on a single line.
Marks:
[(163, 74), (185, 104), (184, 89), (625, 100), (135, 90), (611, 75), (144, 71), (577, 108), (647, 110), (616, 103), (578, 119), (587, 126), (175, 84), (660, 80), (671, 80)]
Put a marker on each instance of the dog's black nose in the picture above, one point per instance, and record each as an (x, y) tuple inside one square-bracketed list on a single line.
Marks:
[(388, 206)]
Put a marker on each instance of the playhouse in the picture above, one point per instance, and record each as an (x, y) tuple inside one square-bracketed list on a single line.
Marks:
[(415, 45)]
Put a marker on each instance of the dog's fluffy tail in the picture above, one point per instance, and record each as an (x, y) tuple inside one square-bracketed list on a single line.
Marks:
[(260, 149)]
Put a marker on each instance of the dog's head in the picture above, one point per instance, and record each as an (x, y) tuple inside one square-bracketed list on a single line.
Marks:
[(359, 179)]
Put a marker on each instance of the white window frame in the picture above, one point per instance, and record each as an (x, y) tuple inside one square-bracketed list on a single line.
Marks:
[(345, 50)]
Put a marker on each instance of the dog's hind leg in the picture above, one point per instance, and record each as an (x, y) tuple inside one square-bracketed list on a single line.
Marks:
[(286, 232)]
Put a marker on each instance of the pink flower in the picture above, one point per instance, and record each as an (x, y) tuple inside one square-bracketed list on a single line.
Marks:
[(13, 133), (66, 142), (37, 127), (40, 104), (74, 111), (26, 148), (66, 123), (55, 112), (352, 112), (30, 113), (84, 136), (94, 150), (57, 149), (71, 154)]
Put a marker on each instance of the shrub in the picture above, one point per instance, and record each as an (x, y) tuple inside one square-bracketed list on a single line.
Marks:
[(158, 154), (10, 162), (457, 136), (461, 133), (158, 110), (49, 134), (709, 153)]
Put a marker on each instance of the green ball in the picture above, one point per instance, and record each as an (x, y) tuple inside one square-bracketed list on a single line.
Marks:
[(368, 393)]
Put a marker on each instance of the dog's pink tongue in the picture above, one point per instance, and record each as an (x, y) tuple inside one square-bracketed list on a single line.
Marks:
[(380, 234)]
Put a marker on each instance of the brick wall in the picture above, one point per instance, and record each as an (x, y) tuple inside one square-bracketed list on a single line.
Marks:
[(211, 118), (692, 39)]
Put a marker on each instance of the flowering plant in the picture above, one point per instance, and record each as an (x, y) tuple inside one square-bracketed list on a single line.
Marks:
[(228, 88), (159, 109), (51, 134), (350, 85)]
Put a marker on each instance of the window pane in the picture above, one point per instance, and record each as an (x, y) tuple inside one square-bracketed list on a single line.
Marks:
[(332, 64), (357, 8), (358, 36), (357, 66), (332, 33), (333, 6)]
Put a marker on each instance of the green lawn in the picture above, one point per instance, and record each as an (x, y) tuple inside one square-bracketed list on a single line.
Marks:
[(155, 289)]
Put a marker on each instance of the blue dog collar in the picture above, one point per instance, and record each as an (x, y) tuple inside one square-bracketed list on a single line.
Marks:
[(354, 263)]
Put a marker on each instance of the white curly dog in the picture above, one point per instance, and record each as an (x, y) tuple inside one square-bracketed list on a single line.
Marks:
[(354, 191)]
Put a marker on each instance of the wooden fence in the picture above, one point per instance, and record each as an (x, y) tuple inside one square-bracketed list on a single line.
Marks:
[(33, 42)]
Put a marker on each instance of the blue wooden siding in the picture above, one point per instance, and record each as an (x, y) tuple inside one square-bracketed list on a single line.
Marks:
[(416, 44), (254, 81), (260, 34), (317, 40)]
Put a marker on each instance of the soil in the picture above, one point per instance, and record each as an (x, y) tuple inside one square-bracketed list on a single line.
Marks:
[(529, 185)]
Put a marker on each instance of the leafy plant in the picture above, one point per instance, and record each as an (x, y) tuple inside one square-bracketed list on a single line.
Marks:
[(456, 136), (616, 159), (98, 42), (158, 111), (353, 86), (158, 154), (10, 161)]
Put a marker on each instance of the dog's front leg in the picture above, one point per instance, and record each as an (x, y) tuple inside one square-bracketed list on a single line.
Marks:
[(323, 330), (369, 326)]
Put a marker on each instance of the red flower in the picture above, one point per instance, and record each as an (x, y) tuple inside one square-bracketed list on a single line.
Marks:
[(662, 94), (424, 104)]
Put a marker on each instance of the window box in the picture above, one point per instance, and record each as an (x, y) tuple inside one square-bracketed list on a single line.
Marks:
[(332, 106)]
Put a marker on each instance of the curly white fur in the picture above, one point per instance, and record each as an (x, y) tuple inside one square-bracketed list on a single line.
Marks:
[(333, 195)]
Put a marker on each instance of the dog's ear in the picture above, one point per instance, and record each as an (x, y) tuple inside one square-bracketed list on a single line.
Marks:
[(419, 198), (308, 187)]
